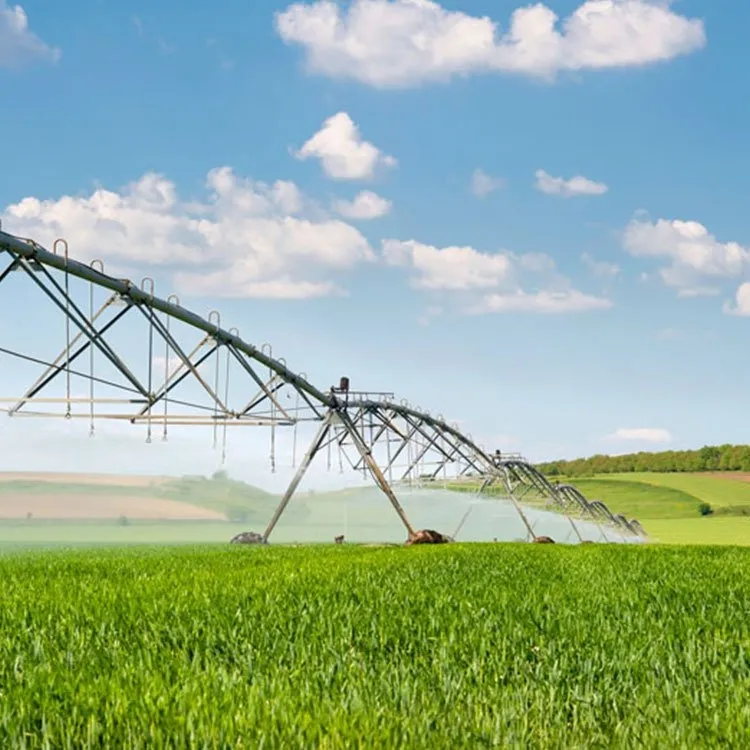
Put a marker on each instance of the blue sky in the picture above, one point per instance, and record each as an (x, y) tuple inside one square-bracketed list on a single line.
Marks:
[(549, 240)]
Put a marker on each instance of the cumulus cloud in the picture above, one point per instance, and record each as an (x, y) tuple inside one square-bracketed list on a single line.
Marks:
[(483, 184), (691, 252), (641, 435), (457, 268), (489, 282), (365, 205), (402, 43), (571, 188), (741, 305), (18, 44), (247, 239), (342, 152)]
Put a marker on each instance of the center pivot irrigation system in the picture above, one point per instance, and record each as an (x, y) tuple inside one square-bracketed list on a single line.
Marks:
[(129, 355)]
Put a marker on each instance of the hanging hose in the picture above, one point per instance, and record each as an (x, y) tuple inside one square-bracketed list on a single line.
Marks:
[(341, 455), (174, 300), (211, 315), (97, 265), (303, 375), (234, 332), (458, 457), (149, 387), (363, 433), (269, 393), (64, 246), (443, 451), (217, 375), (409, 476), (388, 451)]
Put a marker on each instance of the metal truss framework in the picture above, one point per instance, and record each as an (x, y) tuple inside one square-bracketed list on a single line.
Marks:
[(391, 441)]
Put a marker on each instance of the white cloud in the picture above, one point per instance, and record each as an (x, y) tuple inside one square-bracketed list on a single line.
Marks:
[(366, 205), (18, 44), (483, 184), (741, 304), (641, 435), (571, 188), (489, 282), (456, 268), (247, 239), (600, 268), (549, 302), (691, 251), (342, 152), (401, 43)]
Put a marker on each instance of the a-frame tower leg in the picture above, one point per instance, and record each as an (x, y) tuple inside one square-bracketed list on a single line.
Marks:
[(341, 417)]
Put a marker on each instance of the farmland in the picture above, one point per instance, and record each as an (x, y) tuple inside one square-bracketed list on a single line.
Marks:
[(670, 505), (460, 646), (214, 510), (51, 510)]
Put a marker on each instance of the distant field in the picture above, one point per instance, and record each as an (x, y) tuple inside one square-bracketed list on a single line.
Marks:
[(98, 496), (637, 499), (716, 489), (646, 495), (668, 505), (109, 480), (703, 530), (89, 506)]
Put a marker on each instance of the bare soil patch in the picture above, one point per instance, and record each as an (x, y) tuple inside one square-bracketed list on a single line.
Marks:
[(94, 506), (737, 476), (122, 480)]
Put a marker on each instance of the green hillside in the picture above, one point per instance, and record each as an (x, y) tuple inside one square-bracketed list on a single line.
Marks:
[(656, 495), (677, 508), (240, 501), (639, 499)]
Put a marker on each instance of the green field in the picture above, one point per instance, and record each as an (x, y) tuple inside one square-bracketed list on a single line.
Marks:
[(668, 505), (471, 646)]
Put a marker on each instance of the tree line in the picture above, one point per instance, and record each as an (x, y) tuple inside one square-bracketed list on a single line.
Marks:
[(708, 458)]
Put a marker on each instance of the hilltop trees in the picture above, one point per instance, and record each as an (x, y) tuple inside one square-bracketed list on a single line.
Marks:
[(708, 458)]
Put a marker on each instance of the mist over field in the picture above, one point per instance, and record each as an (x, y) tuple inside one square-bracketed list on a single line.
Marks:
[(55, 508)]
